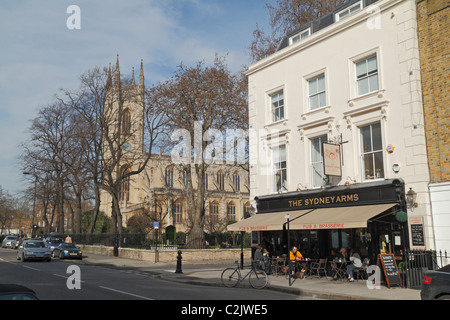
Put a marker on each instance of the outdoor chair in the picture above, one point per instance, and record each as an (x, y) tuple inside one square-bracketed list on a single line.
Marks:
[(317, 267), (361, 273)]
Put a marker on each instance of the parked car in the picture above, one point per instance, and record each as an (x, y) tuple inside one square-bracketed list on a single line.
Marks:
[(436, 284), (16, 243), (33, 250), (67, 250), (8, 241), (16, 292)]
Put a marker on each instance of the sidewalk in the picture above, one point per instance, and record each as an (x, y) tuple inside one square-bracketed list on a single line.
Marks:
[(210, 276)]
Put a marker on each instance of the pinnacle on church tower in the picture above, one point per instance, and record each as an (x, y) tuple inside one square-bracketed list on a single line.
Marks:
[(117, 73), (109, 78), (132, 82), (141, 74)]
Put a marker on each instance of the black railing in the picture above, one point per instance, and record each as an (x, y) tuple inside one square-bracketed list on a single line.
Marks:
[(417, 262)]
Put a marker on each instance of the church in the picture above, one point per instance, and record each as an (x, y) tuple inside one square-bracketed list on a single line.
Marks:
[(159, 193)]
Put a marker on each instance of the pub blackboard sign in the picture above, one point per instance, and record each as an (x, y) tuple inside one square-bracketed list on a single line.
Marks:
[(417, 235), (390, 270)]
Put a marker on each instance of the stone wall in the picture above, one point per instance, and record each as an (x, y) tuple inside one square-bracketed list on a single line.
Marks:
[(171, 256)]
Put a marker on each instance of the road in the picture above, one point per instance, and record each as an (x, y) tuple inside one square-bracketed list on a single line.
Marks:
[(56, 280)]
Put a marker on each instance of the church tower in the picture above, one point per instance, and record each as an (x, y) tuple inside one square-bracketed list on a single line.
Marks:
[(126, 106)]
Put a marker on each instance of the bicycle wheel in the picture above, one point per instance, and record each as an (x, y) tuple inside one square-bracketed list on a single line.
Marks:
[(258, 279), (230, 277)]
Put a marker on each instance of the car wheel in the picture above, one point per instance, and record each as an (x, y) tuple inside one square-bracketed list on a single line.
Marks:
[(444, 297)]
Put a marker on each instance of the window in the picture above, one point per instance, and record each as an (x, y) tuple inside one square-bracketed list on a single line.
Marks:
[(231, 211), (220, 181), (348, 11), (317, 96), (277, 103), (371, 151), (214, 211), (236, 182), (299, 36), (185, 178), (126, 121), (280, 172), (169, 177), (317, 161), (124, 194), (367, 75), (246, 210), (177, 212)]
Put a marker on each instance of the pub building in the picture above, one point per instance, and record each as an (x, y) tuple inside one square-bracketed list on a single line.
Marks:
[(368, 216)]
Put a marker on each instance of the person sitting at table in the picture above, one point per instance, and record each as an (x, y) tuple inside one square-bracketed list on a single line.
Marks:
[(342, 254), (355, 264), (294, 257)]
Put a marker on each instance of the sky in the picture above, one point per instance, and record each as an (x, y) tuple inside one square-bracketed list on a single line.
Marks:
[(46, 45)]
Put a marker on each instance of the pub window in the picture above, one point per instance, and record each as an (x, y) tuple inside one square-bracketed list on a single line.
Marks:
[(317, 161), (280, 168), (367, 75), (349, 11), (372, 152), (300, 36), (317, 94), (277, 106)]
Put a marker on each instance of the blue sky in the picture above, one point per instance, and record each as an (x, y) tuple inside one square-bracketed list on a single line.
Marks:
[(39, 54)]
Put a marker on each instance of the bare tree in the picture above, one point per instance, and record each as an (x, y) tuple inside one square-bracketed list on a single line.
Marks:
[(201, 103), (286, 16)]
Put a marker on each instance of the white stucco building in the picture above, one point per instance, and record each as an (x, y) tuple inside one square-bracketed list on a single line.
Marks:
[(351, 78)]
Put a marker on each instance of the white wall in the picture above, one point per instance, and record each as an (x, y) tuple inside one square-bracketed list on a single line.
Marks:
[(396, 105)]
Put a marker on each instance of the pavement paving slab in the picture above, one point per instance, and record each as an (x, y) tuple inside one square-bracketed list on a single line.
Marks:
[(208, 274)]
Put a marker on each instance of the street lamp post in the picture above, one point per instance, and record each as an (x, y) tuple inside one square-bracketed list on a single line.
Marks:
[(287, 217), (34, 202)]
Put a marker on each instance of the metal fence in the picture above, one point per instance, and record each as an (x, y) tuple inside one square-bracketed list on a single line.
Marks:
[(417, 262)]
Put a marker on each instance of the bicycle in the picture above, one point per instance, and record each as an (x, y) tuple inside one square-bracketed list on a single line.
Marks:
[(231, 277)]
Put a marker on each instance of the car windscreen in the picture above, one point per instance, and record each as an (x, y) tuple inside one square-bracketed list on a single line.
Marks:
[(35, 244), (70, 246)]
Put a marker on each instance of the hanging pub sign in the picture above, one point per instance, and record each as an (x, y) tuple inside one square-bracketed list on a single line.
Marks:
[(332, 159)]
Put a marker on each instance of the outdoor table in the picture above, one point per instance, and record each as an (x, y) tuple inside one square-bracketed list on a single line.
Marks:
[(338, 268), (306, 264), (277, 264)]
